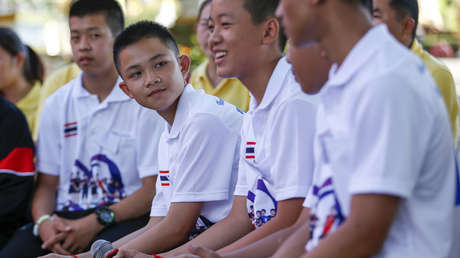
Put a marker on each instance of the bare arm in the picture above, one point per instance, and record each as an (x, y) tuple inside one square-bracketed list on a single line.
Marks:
[(364, 231), (235, 226), (287, 214), (170, 232)]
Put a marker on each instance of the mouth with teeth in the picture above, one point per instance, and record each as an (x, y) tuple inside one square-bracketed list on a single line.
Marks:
[(219, 56)]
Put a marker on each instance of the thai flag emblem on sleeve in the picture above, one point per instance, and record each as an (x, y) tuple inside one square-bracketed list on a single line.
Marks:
[(164, 178), (70, 129), (250, 150)]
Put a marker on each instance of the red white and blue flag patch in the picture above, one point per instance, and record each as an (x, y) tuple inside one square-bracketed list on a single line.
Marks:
[(70, 129), (164, 178), (250, 152)]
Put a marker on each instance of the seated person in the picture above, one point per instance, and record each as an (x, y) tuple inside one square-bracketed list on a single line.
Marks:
[(16, 170), (205, 76), (22, 74), (199, 148), (96, 174)]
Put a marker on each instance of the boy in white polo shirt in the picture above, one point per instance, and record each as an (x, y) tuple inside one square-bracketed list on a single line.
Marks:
[(383, 185), (276, 163), (198, 150)]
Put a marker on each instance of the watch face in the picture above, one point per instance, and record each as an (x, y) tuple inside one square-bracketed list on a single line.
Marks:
[(105, 216)]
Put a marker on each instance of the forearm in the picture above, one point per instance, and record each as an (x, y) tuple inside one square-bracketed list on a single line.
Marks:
[(137, 203), (265, 247), (163, 236), (274, 225), (234, 229), (294, 245), (44, 199), (126, 239)]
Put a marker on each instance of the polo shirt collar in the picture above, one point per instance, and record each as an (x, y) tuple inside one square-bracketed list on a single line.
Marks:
[(358, 56), (181, 112), (116, 95), (273, 87)]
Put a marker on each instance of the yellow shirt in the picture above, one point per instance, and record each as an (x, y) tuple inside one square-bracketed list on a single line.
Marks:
[(231, 90), (51, 84), (29, 104), (445, 82)]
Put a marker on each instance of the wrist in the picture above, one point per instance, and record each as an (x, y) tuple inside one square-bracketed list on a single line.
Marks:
[(105, 216), (40, 221)]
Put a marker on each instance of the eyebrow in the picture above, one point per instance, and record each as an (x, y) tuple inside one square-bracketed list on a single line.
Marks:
[(135, 66), (88, 29), (225, 15)]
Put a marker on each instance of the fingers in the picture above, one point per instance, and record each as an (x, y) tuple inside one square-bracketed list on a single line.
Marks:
[(57, 248), (53, 240), (60, 224)]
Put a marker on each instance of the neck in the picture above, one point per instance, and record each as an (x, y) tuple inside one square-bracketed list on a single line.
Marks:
[(169, 113), (16, 90), (211, 71), (100, 84), (344, 26), (256, 80)]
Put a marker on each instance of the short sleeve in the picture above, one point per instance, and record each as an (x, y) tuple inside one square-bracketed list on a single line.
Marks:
[(206, 161), (291, 149), (149, 128), (391, 133), (242, 187), (48, 144)]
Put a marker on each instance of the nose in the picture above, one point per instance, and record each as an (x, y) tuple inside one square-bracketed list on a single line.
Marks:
[(84, 44), (214, 37), (279, 11), (151, 78)]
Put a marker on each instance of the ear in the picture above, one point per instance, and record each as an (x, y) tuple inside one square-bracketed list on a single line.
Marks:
[(271, 30), (408, 26), (20, 59), (125, 89), (184, 63)]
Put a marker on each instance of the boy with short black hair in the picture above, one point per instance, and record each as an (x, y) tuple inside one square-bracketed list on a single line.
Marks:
[(198, 150), (94, 153)]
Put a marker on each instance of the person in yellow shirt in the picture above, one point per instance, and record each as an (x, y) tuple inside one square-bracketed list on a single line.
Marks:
[(401, 18), (21, 73), (205, 77), (55, 81)]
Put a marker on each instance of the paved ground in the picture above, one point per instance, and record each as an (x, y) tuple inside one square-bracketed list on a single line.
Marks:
[(454, 66)]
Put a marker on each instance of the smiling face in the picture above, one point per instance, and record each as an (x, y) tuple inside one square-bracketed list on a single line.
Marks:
[(234, 38), (152, 73), (92, 42)]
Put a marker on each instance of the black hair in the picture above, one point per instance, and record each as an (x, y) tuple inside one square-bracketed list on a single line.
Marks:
[(405, 8), (109, 8), (143, 30), (202, 6), (33, 69), (261, 10)]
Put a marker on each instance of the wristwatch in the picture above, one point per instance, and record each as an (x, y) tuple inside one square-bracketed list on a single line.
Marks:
[(105, 215)]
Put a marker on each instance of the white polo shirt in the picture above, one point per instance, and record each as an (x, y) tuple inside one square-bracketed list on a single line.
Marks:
[(382, 129), (198, 155), (99, 150), (276, 156)]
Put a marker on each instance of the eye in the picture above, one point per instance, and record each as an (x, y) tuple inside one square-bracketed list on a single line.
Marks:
[(95, 35), (74, 38), (210, 26), (160, 64), (226, 24), (135, 75)]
